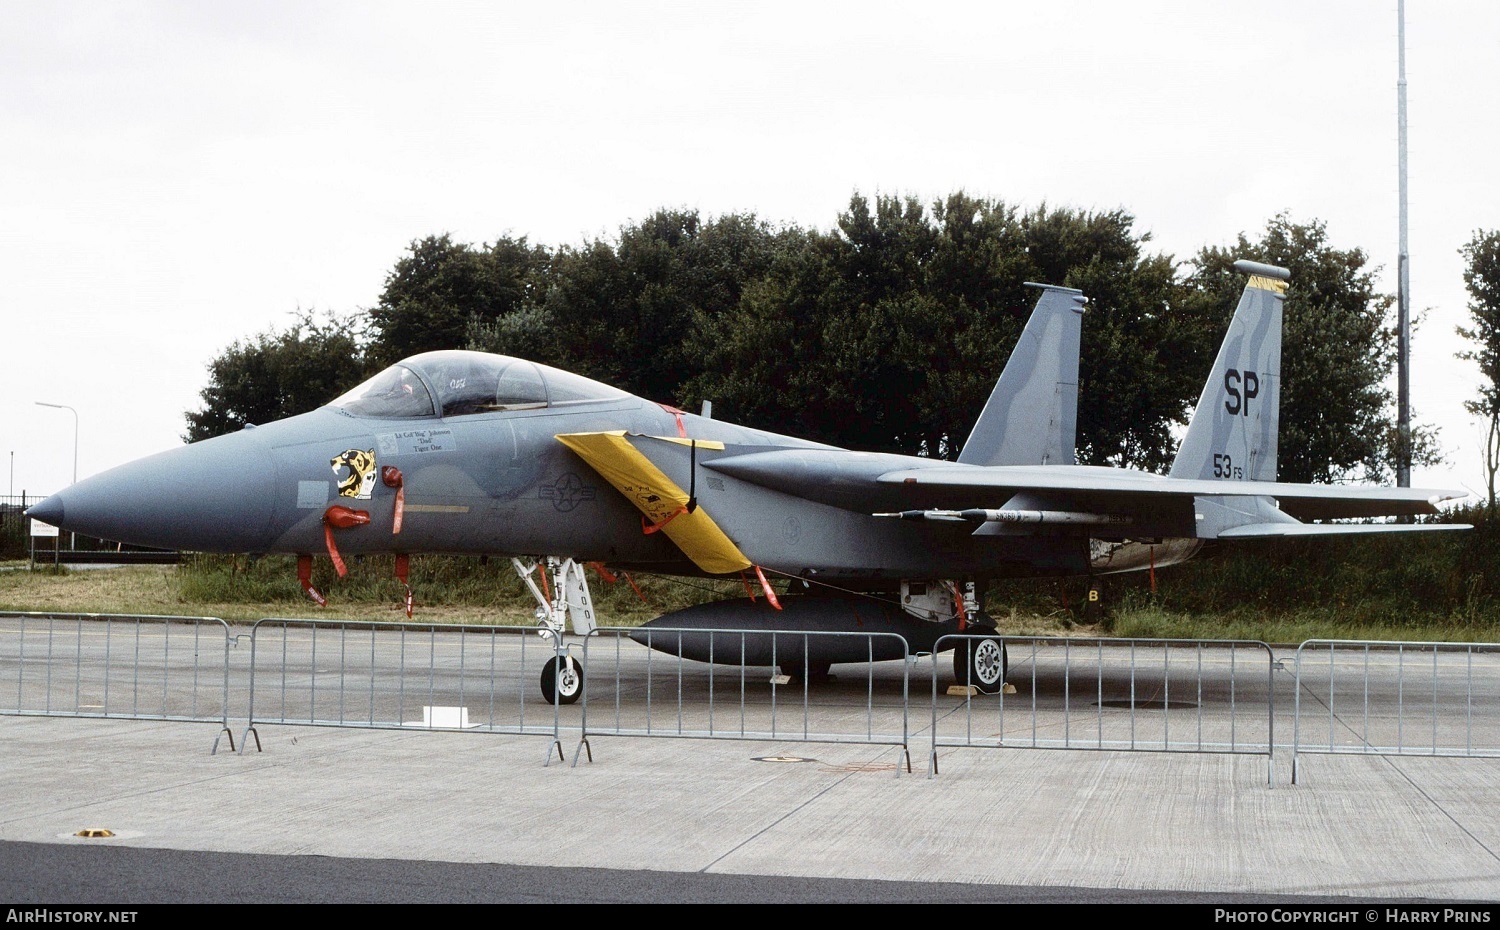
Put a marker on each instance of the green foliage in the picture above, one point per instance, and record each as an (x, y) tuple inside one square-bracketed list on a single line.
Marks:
[(526, 332), (441, 288), (442, 580), (14, 543), (278, 374), (622, 311), (752, 358), (439, 582), (884, 333), (888, 333), (1482, 278), (1141, 348), (1440, 586)]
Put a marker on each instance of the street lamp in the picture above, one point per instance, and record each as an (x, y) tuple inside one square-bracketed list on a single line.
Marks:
[(42, 403), (72, 538)]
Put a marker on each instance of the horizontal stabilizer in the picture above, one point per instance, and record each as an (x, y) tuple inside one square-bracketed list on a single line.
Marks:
[(1118, 490), (890, 484), (1267, 530)]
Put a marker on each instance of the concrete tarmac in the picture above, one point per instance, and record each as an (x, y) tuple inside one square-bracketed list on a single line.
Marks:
[(411, 816)]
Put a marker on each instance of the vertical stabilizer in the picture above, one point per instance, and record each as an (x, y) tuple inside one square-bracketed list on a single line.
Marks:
[(1031, 417), (1232, 435)]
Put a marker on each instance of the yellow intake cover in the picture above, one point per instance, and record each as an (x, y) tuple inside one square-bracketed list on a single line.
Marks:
[(659, 498)]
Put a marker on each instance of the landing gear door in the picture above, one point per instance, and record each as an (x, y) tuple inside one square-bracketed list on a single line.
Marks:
[(566, 601), (580, 602)]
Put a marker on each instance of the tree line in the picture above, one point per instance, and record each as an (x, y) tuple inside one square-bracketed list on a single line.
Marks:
[(884, 332)]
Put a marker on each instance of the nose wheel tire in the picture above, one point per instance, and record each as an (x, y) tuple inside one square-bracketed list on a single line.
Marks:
[(981, 662), (562, 680)]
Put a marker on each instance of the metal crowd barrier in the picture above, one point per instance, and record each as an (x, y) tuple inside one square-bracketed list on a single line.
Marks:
[(116, 665), (341, 673), (638, 684), (1155, 695), (1150, 695), (1397, 699)]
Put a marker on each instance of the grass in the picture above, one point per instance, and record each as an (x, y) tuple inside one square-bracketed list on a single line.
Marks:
[(1414, 587), (240, 589), (1442, 587)]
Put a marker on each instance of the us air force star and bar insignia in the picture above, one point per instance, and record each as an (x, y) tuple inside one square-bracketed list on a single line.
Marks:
[(360, 480), (567, 492)]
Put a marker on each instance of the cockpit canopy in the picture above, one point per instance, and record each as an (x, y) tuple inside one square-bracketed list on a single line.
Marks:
[(454, 383)]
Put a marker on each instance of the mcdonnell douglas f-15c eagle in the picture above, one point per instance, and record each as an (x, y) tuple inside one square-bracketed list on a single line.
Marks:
[(464, 452)]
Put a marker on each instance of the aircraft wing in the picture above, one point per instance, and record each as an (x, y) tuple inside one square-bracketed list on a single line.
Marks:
[(1301, 501), (877, 483)]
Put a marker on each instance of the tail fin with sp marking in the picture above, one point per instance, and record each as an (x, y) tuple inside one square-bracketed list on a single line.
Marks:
[(1232, 435)]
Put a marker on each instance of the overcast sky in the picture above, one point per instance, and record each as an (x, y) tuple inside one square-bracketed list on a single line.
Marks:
[(177, 176)]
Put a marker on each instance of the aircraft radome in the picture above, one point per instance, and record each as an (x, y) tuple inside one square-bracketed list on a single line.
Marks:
[(464, 452)]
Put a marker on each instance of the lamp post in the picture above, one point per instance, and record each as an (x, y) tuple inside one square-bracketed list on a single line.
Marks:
[(72, 537), (1403, 268)]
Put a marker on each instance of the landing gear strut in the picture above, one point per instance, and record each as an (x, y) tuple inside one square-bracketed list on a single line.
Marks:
[(565, 600)]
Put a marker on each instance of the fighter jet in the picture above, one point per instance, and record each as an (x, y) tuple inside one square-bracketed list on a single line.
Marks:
[(472, 453)]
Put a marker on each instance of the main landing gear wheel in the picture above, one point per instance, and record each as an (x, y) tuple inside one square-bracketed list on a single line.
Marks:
[(982, 663), (562, 680)]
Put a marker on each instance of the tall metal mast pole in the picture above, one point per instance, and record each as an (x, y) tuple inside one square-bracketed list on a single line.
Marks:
[(1403, 270)]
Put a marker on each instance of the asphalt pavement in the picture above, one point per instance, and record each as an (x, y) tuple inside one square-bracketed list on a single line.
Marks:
[(323, 814)]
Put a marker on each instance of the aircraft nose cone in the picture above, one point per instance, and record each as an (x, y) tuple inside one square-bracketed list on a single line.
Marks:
[(48, 511), (211, 496)]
